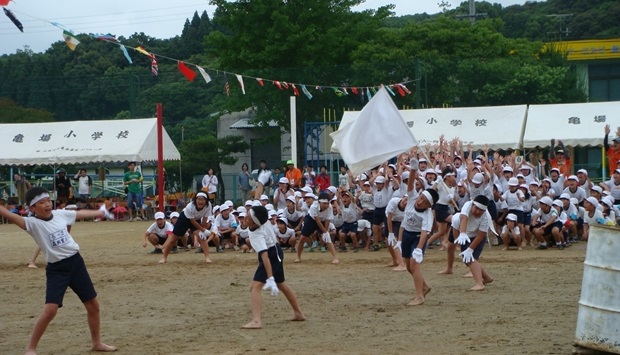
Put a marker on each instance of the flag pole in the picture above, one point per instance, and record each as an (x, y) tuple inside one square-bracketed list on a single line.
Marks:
[(160, 157)]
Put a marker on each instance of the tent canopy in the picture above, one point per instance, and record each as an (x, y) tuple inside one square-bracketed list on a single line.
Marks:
[(496, 126), (581, 124), (80, 142)]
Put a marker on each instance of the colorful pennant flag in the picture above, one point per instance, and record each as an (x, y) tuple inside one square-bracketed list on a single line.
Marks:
[(204, 74), (390, 90), (143, 51), (126, 54), (368, 94), (227, 89), (70, 40), (295, 91), (154, 67), (405, 88), (185, 70), (240, 80), (13, 19), (278, 84), (306, 92), (401, 92), (260, 82)]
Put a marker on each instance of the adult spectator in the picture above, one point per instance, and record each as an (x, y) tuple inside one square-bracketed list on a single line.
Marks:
[(133, 181), (63, 186), (85, 185), (322, 181), (243, 181), (22, 185), (613, 151), (293, 174), (309, 177), (560, 159), (209, 184)]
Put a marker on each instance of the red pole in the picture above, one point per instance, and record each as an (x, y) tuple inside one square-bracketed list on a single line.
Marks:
[(160, 157)]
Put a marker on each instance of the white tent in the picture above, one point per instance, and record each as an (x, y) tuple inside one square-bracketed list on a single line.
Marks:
[(580, 124), (76, 142), (496, 126)]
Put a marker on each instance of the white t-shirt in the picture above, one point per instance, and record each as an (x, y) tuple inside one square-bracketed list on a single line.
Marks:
[(343, 180), (286, 235), (613, 189), (558, 186), (84, 183), (264, 177), (512, 200), (294, 216), (263, 237), (221, 222), (579, 194), (52, 236), (596, 217), (392, 207), (191, 212), (366, 201), (349, 213), (414, 220), (161, 232), (243, 232), (315, 211), (474, 225), (515, 231), (382, 197)]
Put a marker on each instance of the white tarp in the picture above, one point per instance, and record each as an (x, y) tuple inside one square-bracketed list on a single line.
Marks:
[(579, 124), (496, 126), (75, 142)]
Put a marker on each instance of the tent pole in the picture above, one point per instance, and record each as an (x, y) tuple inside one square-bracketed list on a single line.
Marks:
[(160, 157)]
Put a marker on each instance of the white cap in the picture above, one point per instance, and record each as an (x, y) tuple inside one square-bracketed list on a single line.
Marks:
[(597, 189), (366, 183), (283, 180), (332, 189), (478, 178), (297, 194), (311, 195), (546, 200), (216, 208), (430, 171), (608, 200), (574, 201), (362, 224), (160, 215), (283, 219), (422, 160), (511, 217), (525, 186), (438, 171), (306, 189), (558, 203), (224, 207), (248, 203), (477, 161), (582, 171), (72, 207), (269, 207), (525, 167), (380, 180), (555, 169), (242, 215), (573, 177), (229, 203), (291, 198), (593, 201), (513, 181), (565, 195), (519, 175), (255, 203), (264, 197), (272, 213), (405, 175), (174, 214), (507, 169), (240, 209), (534, 183)]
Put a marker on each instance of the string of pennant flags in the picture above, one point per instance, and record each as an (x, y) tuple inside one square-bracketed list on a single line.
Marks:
[(190, 74)]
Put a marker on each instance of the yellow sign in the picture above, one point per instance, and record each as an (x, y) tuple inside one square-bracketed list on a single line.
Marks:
[(589, 49)]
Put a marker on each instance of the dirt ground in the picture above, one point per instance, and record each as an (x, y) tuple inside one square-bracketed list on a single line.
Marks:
[(357, 307)]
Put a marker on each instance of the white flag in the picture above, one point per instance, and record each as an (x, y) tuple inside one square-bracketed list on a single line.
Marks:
[(378, 134), (240, 80), (204, 74)]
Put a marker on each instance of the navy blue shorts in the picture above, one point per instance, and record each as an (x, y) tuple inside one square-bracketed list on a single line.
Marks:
[(410, 242), (368, 215), (349, 227), (492, 208), (309, 226), (182, 225), (549, 229), (478, 249), (395, 228), (378, 216), (441, 212), (527, 218), (276, 258), (70, 272), (520, 215)]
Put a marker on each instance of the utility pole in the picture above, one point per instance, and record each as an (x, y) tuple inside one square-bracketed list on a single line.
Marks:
[(472, 13), (562, 30)]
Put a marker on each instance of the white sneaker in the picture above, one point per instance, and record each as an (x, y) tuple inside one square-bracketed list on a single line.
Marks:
[(137, 219)]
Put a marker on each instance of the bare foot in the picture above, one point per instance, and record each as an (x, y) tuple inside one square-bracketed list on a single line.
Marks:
[(208, 260), (32, 266), (104, 347), (426, 291), (477, 288), (163, 261), (468, 275), (487, 281), (335, 261), (391, 265), (298, 317), (445, 272), (416, 302), (400, 268), (297, 261), (505, 248), (520, 248), (30, 352), (253, 325)]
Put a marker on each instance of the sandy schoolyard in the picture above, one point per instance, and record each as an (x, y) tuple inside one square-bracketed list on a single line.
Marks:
[(357, 307)]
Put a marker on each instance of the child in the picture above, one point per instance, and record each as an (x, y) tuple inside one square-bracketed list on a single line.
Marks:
[(65, 266), (511, 232), (285, 235), (33, 261), (317, 220), (243, 233), (157, 233), (270, 272)]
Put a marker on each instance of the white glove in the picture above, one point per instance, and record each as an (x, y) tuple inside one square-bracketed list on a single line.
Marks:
[(417, 255), (326, 238), (106, 213), (391, 239), (462, 239), (397, 246), (467, 255), (413, 164), (204, 234), (271, 285), (450, 196)]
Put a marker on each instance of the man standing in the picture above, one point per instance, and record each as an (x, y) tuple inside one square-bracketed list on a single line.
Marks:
[(322, 181), (21, 185), (612, 151), (85, 185), (133, 181), (63, 186), (293, 174), (560, 159)]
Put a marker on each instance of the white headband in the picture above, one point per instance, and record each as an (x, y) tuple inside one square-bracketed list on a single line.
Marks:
[(38, 198), (480, 206), (323, 201), (428, 196), (448, 174), (253, 216), (203, 195)]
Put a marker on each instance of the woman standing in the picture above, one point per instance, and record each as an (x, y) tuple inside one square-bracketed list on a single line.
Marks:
[(209, 184), (243, 180)]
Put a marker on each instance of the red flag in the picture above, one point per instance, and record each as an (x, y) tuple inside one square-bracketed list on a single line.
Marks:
[(185, 70), (354, 89), (285, 85), (278, 84), (295, 91), (260, 82), (405, 88), (400, 90)]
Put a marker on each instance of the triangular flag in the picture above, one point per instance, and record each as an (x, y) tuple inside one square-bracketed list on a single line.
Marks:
[(71, 41), (240, 80), (143, 51), (295, 91), (405, 88), (13, 19), (354, 90), (390, 90), (185, 70), (368, 93), (260, 82), (204, 74), (154, 66), (278, 84), (227, 89), (124, 50), (359, 144), (306, 92), (401, 92)]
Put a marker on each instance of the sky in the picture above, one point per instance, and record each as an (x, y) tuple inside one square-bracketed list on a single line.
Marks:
[(156, 18)]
